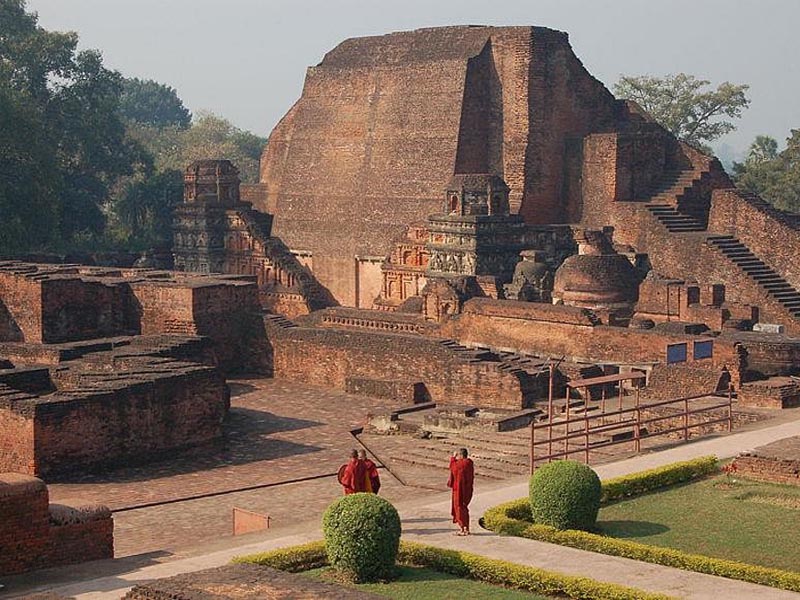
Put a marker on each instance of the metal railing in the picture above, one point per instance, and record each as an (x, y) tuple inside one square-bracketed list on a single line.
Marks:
[(560, 431)]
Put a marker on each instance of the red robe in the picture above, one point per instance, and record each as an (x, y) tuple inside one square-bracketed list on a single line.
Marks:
[(462, 476), (373, 479), (353, 476)]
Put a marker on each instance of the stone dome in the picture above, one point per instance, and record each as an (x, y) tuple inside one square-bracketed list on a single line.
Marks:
[(597, 281)]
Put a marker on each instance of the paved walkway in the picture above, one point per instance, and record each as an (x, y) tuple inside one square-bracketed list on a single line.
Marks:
[(423, 521)]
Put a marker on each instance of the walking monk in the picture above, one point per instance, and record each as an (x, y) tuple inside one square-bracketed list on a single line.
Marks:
[(462, 476), (353, 475), (373, 479)]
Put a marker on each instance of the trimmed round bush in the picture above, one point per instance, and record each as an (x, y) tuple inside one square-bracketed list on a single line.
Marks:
[(362, 536), (565, 494)]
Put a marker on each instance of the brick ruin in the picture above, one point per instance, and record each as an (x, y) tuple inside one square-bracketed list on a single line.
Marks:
[(474, 208), (36, 534), (105, 366)]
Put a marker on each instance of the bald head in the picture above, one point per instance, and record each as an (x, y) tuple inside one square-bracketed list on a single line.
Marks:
[(463, 453), (354, 453), (362, 454)]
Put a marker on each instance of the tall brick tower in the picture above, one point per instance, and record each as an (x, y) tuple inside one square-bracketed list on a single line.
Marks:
[(211, 187)]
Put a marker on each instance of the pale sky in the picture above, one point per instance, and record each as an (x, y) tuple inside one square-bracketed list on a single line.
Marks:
[(246, 59)]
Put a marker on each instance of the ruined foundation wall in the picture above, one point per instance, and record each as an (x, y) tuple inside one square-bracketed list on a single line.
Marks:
[(772, 235), (135, 423), (504, 324), (331, 357)]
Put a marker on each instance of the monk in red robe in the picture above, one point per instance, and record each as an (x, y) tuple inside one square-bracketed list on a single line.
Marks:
[(462, 477), (353, 475), (373, 479)]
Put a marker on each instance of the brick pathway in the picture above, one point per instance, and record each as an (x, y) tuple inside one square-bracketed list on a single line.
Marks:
[(277, 432), (425, 520)]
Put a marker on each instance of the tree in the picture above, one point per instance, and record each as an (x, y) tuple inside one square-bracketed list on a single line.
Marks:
[(63, 143), (209, 136), (682, 104), (772, 175), (148, 102)]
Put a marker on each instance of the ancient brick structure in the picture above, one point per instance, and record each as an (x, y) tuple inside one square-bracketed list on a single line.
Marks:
[(404, 270), (514, 103), (216, 232), (35, 534), (778, 462), (421, 106), (102, 366)]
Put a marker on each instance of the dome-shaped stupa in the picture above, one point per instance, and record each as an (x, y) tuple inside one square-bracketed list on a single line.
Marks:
[(597, 277)]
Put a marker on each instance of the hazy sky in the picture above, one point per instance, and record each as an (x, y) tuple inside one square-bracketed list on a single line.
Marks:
[(246, 59)]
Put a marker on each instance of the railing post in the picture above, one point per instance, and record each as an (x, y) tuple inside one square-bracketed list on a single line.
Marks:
[(586, 434), (533, 440), (685, 419), (637, 431), (550, 416), (730, 407)]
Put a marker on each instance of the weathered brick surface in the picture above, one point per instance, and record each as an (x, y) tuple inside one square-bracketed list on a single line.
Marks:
[(35, 534), (387, 120), (770, 233), (330, 357), (778, 462), (61, 303), (145, 397), (568, 331)]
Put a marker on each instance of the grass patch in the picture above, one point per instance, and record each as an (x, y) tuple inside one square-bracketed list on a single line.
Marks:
[(422, 583), (734, 519)]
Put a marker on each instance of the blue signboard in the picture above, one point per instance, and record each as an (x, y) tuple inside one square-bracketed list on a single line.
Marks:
[(704, 349), (676, 353)]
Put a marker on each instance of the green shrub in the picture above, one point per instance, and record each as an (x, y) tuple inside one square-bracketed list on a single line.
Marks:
[(565, 494), (643, 482), (465, 565), (497, 519), (362, 534), (293, 559)]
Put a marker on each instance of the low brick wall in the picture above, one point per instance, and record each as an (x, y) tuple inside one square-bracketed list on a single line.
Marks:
[(38, 535), (330, 357), (782, 393), (772, 469)]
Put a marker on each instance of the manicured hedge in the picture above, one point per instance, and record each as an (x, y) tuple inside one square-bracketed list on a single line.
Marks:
[(628, 486), (514, 518), (565, 494), (362, 535), (465, 565), (643, 482)]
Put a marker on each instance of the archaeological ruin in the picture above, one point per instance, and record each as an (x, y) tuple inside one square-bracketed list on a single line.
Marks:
[(460, 221)]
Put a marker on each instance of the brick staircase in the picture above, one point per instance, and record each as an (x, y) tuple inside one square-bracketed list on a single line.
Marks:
[(674, 202), (674, 220), (765, 276), (279, 321)]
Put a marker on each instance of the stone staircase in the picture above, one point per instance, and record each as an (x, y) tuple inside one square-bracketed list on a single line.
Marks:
[(674, 220), (279, 321), (675, 203), (765, 276)]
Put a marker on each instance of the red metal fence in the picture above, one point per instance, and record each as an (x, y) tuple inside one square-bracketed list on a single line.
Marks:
[(579, 429)]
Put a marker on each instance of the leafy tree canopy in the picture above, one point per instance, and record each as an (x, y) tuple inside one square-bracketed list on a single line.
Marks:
[(148, 102), (61, 138), (686, 106), (773, 175)]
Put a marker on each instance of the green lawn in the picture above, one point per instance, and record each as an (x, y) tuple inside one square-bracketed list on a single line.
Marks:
[(416, 583), (747, 521)]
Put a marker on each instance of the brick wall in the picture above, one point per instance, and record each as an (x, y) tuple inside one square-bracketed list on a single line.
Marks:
[(20, 309), (772, 235), (37, 535), (764, 468), (24, 527), (16, 435), (331, 358), (137, 422), (544, 329)]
